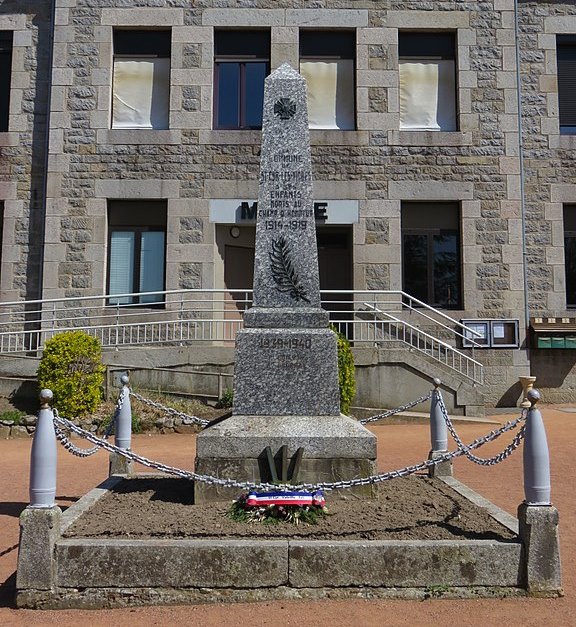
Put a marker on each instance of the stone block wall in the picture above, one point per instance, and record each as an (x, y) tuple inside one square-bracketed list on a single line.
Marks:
[(23, 148), (190, 164)]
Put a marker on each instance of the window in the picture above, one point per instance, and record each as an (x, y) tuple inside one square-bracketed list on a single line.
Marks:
[(427, 81), (327, 64), (242, 62), (431, 253), (5, 77), (566, 57), (141, 82), (570, 253), (1, 234), (136, 251)]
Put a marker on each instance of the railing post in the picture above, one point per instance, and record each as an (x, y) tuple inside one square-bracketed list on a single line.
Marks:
[(120, 465), (117, 327), (43, 457), (438, 435), (537, 517), (40, 521)]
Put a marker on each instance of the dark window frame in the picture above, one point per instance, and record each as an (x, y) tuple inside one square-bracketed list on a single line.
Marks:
[(6, 52), (139, 44), (430, 231), (432, 45), (241, 47), (133, 226), (317, 44), (566, 68), (569, 218)]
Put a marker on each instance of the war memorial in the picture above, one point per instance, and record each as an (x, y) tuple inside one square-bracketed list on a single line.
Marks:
[(286, 403)]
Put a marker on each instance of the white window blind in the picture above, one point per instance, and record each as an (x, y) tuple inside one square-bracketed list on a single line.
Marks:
[(428, 95), (330, 93), (121, 270), (151, 265), (141, 93)]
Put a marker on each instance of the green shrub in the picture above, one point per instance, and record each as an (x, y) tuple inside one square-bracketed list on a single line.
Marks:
[(71, 366), (346, 374), (12, 415), (226, 400)]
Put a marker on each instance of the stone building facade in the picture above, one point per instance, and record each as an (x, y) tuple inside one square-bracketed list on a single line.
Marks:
[(458, 182)]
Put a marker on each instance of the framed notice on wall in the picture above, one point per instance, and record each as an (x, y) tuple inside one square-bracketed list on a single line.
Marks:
[(476, 333), (490, 334)]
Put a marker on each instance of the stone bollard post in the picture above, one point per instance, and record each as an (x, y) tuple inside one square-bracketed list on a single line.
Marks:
[(538, 519), (123, 437), (43, 457), (40, 521), (119, 465), (438, 435)]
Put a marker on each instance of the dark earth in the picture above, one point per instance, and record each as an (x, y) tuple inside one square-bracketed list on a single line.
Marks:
[(413, 508)]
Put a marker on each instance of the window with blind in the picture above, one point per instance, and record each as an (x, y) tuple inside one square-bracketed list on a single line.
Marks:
[(431, 258), (566, 58), (241, 63), (141, 79), (427, 75), (136, 252), (327, 60), (5, 77), (570, 253)]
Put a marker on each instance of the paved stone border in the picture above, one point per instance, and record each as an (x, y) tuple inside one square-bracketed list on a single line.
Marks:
[(96, 573)]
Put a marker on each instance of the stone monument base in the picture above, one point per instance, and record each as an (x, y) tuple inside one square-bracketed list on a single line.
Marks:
[(334, 448)]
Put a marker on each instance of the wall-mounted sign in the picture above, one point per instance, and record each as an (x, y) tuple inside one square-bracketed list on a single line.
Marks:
[(234, 211), (491, 334)]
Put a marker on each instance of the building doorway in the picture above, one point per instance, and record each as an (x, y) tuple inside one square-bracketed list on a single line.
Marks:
[(334, 264)]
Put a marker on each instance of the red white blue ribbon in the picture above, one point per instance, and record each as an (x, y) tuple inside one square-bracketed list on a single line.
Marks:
[(257, 499)]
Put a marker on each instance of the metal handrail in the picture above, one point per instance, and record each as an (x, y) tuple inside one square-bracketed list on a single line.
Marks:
[(202, 315), (477, 367)]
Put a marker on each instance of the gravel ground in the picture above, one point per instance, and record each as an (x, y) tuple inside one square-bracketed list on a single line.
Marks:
[(398, 446), (413, 508)]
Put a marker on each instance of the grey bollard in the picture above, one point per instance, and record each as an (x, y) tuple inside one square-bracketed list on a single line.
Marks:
[(124, 418), (43, 458), (438, 428), (438, 436), (536, 456)]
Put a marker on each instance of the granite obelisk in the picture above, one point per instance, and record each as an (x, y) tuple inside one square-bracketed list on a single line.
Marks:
[(286, 366), (286, 360)]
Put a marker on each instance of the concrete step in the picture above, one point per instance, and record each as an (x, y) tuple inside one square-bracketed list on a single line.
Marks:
[(416, 417)]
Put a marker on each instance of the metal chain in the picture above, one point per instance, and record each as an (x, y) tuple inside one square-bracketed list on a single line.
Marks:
[(489, 461), (398, 410), (83, 452), (248, 485), (169, 410)]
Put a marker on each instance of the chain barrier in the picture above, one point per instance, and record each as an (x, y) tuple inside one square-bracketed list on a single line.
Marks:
[(248, 485), (83, 452), (170, 410), (489, 461), (398, 410)]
